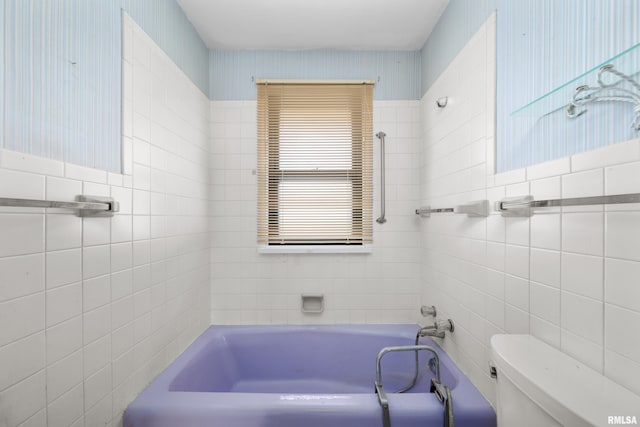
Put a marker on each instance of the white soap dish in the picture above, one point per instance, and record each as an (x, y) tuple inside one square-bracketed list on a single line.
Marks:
[(312, 304)]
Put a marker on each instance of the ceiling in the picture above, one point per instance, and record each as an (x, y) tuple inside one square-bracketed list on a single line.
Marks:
[(319, 24)]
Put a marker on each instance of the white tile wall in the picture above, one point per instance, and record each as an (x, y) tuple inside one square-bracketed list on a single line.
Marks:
[(569, 278), (248, 287), (76, 302)]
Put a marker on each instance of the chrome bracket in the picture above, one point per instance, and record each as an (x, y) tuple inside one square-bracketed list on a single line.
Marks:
[(113, 206), (518, 206), (477, 208)]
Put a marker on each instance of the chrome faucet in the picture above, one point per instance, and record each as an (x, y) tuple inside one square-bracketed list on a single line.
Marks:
[(437, 330)]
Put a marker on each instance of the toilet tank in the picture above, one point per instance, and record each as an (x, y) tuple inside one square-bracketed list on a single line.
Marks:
[(539, 386)]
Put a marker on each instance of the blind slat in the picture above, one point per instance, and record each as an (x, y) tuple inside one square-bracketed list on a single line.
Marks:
[(315, 167)]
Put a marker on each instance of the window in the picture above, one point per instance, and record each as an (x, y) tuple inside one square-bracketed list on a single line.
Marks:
[(314, 163)]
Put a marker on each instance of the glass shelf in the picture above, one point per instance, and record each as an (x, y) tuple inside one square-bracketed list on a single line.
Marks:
[(627, 62)]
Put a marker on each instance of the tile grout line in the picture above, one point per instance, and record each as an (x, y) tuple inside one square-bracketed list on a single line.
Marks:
[(603, 274), (560, 287), (46, 356), (82, 298)]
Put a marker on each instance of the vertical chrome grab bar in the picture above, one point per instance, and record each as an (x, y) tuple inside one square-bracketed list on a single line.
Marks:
[(381, 219)]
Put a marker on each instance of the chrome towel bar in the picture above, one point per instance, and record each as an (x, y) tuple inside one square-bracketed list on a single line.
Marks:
[(426, 211), (524, 205), (478, 208), (85, 205)]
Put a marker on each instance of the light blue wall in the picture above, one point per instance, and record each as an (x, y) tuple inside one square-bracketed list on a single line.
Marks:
[(61, 94), (541, 45), (459, 21), (169, 27), (61, 73), (233, 73)]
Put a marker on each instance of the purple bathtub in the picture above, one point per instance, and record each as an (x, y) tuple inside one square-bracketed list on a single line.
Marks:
[(311, 376)]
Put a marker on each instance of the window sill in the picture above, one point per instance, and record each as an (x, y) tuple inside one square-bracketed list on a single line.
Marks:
[(337, 249)]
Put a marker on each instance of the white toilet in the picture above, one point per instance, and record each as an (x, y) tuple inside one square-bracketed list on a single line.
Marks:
[(539, 386)]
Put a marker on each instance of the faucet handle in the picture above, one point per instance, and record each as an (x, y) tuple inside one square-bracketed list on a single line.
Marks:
[(444, 325), (427, 310)]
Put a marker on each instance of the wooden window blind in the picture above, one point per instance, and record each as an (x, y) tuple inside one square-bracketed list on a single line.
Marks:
[(315, 143)]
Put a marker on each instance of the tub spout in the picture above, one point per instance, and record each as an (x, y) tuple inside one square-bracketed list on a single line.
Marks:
[(438, 329), (431, 331)]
